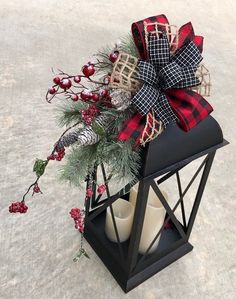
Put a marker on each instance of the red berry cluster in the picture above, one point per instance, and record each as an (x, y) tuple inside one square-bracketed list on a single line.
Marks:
[(78, 216), (63, 83), (60, 153), (105, 96), (89, 114), (18, 207), (87, 95), (101, 189), (36, 189), (89, 192)]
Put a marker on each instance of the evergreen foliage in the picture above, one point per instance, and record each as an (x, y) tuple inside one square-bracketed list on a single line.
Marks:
[(121, 159), (69, 112), (128, 45)]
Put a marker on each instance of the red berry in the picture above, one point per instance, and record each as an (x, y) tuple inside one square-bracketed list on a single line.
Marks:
[(113, 56), (65, 83), (51, 157), (107, 102), (89, 192), (36, 189), (75, 213), (56, 80), (87, 119), (95, 97), (85, 94), (52, 90), (74, 97), (58, 158), (59, 150), (101, 189), (88, 70), (103, 92), (106, 80), (77, 79), (61, 155)]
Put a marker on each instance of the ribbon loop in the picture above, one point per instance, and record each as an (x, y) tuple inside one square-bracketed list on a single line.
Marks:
[(167, 76), (189, 78), (161, 73), (188, 55), (158, 50), (147, 73)]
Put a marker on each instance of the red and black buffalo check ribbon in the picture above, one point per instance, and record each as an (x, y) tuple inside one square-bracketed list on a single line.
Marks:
[(166, 79), (133, 128)]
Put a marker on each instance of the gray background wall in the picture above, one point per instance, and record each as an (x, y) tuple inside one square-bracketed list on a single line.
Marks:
[(37, 248)]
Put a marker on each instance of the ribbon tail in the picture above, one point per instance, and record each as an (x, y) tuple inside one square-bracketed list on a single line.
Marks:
[(189, 106), (198, 41), (145, 99), (132, 128), (164, 111), (186, 34), (158, 50)]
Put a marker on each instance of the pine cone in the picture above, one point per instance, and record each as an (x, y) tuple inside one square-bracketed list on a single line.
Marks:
[(86, 136), (121, 99)]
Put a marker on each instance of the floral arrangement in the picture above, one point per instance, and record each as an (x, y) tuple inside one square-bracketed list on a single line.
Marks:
[(122, 99)]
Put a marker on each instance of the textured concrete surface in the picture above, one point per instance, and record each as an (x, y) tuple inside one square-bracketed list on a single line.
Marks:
[(36, 249)]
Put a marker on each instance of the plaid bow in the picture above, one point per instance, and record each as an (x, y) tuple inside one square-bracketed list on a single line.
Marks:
[(162, 72), (167, 77)]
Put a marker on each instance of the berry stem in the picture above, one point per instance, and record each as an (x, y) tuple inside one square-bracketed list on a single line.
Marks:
[(28, 190), (47, 161)]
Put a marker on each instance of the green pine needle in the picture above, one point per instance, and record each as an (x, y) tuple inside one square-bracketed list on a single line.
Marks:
[(69, 112), (79, 164), (120, 159), (128, 45)]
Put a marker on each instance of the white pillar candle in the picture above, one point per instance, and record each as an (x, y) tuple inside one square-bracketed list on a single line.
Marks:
[(153, 219), (133, 194), (123, 213)]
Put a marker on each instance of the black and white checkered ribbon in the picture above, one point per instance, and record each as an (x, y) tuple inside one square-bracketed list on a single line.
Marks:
[(163, 72)]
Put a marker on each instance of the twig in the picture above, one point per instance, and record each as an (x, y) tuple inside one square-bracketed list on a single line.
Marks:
[(47, 161)]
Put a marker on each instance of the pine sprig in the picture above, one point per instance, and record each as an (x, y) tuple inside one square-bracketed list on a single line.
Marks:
[(69, 113), (128, 45), (103, 57), (79, 164), (120, 159)]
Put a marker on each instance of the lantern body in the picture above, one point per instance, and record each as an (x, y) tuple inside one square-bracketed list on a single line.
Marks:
[(162, 158)]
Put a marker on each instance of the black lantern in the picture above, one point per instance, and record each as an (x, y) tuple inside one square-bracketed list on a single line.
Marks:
[(162, 158)]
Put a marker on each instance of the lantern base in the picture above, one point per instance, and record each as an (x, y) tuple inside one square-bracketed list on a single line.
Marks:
[(166, 260), (171, 247)]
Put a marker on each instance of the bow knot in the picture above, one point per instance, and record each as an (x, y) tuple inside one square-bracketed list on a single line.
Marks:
[(163, 72), (165, 77)]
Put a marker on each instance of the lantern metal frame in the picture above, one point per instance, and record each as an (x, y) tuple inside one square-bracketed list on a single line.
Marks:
[(123, 260)]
